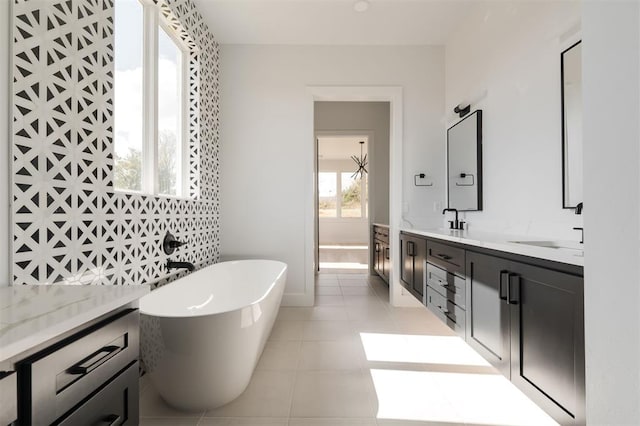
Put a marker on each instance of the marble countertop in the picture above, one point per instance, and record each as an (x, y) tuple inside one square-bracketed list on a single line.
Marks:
[(572, 255), (33, 314)]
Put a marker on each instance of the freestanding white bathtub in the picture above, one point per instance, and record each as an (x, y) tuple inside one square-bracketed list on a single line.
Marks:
[(202, 335)]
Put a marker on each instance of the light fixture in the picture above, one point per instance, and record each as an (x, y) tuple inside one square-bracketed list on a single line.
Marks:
[(462, 110), (361, 5), (361, 163)]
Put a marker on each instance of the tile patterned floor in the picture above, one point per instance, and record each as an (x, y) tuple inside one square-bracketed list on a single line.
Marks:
[(354, 360)]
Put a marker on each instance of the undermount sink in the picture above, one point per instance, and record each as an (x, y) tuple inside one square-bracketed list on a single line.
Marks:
[(566, 245)]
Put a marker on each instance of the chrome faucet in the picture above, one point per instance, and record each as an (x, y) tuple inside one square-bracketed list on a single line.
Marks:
[(180, 265), (579, 208)]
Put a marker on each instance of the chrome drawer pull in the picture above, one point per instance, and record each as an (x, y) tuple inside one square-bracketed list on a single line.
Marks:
[(444, 310), (443, 256), (94, 361)]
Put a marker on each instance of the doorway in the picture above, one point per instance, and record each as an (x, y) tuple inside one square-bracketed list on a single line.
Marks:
[(342, 202)]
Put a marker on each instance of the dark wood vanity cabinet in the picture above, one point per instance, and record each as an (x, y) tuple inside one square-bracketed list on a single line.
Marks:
[(89, 377), (528, 322), (381, 252), (547, 339), (413, 253), (488, 319), (446, 285)]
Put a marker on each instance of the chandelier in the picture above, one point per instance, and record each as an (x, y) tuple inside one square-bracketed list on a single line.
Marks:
[(361, 162)]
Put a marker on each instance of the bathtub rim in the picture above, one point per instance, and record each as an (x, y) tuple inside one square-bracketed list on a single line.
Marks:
[(283, 271)]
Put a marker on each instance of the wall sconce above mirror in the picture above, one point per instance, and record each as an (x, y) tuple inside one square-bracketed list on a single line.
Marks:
[(571, 74), (464, 163)]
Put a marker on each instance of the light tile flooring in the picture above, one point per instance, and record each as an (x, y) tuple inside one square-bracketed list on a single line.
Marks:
[(343, 256), (354, 360)]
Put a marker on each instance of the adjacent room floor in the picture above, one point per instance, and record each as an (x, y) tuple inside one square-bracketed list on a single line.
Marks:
[(353, 360), (343, 256)]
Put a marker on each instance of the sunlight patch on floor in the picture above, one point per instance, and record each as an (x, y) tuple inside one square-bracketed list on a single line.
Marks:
[(343, 265), (419, 349), (482, 399)]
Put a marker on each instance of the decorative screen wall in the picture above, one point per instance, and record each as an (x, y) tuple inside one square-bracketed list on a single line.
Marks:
[(69, 225)]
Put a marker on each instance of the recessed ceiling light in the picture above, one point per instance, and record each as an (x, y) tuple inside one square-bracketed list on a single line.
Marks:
[(361, 6)]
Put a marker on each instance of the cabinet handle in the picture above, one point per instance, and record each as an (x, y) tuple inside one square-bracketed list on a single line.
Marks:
[(386, 253), (444, 310), (443, 256), (110, 420), (503, 274), (410, 248), (95, 360), (377, 247), (514, 292)]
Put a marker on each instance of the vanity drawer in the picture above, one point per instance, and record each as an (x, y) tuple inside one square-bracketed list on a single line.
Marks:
[(447, 257), (447, 311), (8, 398), (449, 285), (115, 404), (380, 233), (64, 375)]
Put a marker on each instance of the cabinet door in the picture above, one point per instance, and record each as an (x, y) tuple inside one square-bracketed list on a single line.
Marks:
[(413, 252), (547, 340), (406, 262), (487, 309), (386, 261), (420, 256), (376, 256)]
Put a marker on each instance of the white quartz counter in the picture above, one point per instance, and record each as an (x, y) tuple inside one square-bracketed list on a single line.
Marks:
[(572, 254), (33, 314)]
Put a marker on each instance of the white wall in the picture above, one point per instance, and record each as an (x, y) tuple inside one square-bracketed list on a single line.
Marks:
[(267, 138), (4, 142), (511, 52), (611, 50)]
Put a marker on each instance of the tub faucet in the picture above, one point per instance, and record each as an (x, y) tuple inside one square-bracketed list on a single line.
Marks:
[(180, 265)]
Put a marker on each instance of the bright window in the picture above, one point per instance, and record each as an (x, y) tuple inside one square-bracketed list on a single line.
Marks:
[(150, 102), (327, 194), (340, 195)]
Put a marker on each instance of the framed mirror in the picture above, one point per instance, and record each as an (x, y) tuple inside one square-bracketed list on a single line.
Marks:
[(464, 163), (571, 77)]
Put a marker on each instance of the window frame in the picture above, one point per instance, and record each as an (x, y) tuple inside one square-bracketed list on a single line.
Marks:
[(153, 22)]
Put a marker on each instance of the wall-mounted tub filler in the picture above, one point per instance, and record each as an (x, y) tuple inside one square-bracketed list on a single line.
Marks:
[(171, 243)]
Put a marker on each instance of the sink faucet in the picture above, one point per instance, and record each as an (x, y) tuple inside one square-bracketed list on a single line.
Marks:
[(579, 208), (180, 265), (454, 224)]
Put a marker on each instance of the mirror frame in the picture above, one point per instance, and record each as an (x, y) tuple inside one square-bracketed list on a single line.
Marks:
[(478, 157), (563, 127)]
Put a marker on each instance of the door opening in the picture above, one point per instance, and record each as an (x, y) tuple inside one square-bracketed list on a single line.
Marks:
[(342, 203)]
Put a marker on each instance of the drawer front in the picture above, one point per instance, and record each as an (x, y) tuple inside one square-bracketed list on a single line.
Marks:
[(61, 379), (116, 404), (381, 233), (446, 257), (448, 312), (8, 398), (449, 285)]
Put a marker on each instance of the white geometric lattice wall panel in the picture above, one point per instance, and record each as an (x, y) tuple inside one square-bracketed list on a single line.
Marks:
[(69, 223)]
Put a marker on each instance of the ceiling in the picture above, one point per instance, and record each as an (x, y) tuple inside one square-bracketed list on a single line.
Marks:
[(334, 22), (340, 147)]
